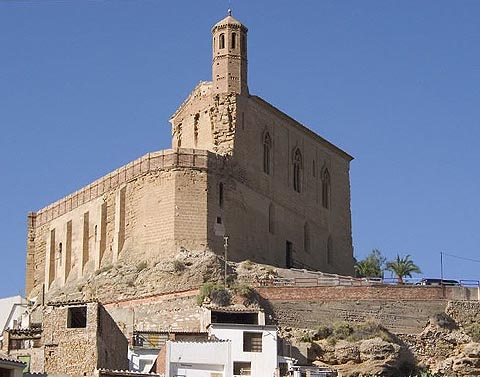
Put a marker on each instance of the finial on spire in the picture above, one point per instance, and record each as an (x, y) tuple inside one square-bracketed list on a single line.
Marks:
[(229, 11)]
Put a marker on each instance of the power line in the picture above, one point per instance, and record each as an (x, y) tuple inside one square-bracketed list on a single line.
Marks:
[(456, 256)]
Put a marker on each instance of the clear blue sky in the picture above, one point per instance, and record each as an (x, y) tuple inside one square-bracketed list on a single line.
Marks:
[(87, 86)]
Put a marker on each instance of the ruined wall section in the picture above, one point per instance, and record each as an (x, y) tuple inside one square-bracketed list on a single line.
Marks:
[(112, 345), (168, 312), (129, 215), (205, 121), (69, 351)]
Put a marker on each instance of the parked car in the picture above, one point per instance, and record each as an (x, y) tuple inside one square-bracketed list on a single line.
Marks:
[(439, 282)]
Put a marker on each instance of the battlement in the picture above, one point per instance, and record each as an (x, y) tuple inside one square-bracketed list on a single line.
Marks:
[(160, 160)]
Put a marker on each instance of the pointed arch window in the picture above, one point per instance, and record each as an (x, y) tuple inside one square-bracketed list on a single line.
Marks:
[(329, 250), (220, 195), (221, 41), (297, 171), (271, 219), (306, 237), (234, 41), (326, 189), (267, 153)]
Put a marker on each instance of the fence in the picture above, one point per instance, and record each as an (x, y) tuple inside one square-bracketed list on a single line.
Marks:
[(350, 281)]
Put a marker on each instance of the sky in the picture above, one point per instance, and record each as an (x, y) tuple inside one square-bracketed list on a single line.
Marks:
[(86, 86)]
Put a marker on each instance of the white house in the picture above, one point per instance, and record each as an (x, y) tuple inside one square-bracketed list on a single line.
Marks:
[(198, 359), (11, 311), (235, 350)]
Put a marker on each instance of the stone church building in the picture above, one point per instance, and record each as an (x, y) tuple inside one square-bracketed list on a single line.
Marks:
[(238, 167)]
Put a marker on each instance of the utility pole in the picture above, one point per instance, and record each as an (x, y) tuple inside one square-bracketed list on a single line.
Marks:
[(225, 246), (441, 266)]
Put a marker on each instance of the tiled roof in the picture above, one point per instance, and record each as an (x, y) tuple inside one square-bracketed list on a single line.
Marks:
[(10, 359), (179, 332), (112, 372), (234, 309), (70, 302)]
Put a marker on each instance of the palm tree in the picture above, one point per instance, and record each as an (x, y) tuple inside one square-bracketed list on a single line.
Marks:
[(372, 266), (403, 267)]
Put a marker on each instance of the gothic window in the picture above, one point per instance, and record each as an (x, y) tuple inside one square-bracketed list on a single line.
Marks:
[(306, 237), (297, 171), (329, 249), (60, 250), (221, 41), (326, 189), (271, 219), (220, 195), (267, 153), (234, 41)]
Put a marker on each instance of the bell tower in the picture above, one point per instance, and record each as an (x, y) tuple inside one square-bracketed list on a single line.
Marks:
[(229, 65)]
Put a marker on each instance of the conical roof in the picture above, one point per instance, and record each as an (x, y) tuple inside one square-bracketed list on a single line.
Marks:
[(229, 20)]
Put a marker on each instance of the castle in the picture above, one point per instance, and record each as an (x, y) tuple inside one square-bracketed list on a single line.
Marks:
[(238, 168)]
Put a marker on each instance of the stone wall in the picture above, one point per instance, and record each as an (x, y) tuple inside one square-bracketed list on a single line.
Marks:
[(133, 214), (168, 312), (465, 313), (78, 351), (112, 345), (261, 211), (400, 309), (71, 351)]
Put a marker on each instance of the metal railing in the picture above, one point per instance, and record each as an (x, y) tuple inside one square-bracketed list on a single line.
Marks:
[(351, 282)]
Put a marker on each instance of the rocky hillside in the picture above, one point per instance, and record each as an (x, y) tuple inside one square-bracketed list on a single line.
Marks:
[(188, 270), (445, 347)]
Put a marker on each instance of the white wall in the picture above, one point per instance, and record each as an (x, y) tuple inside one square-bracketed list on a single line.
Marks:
[(263, 363), (11, 308), (198, 359), (141, 360)]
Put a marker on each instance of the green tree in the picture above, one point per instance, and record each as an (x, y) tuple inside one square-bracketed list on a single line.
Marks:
[(372, 266), (403, 267)]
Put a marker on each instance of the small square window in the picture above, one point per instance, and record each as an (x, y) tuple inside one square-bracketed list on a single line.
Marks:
[(241, 368), (252, 342), (77, 317)]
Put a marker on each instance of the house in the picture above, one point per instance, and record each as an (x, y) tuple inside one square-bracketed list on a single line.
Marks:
[(75, 339), (232, 350), (10, 366)]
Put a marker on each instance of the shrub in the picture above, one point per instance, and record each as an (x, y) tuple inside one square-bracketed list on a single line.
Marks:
[(104, 269), (178, 266), (306, 338), (368, 330), (220, 296), (341, 330), (141, 266), (443, 320), (474, 332), (323, 332), (217, 293)]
